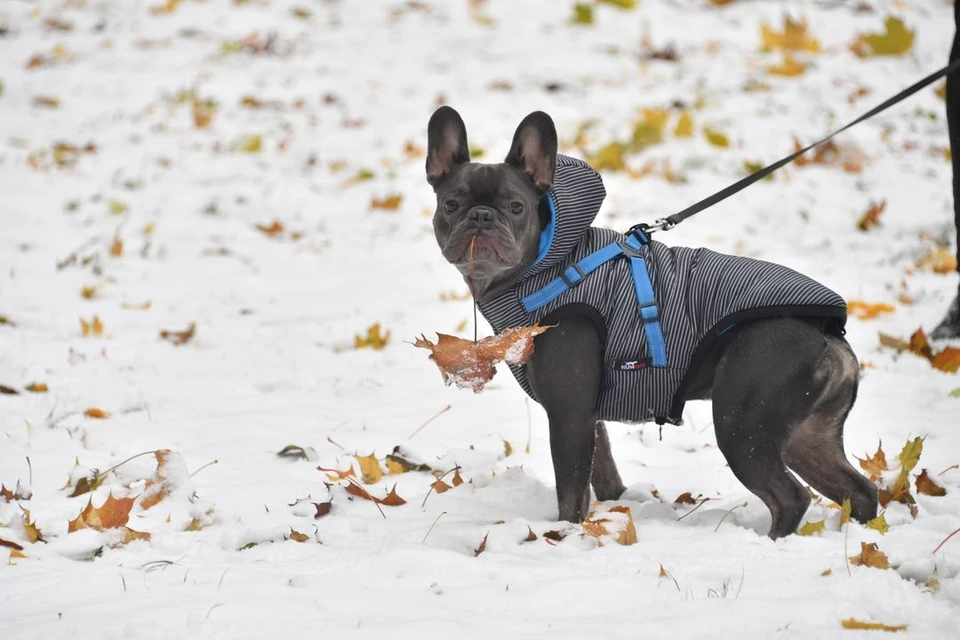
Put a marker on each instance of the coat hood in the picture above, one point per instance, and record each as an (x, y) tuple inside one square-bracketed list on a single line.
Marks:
[(574, 202)]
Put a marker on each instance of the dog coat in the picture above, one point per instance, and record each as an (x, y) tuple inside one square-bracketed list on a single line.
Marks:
[(660, 307)]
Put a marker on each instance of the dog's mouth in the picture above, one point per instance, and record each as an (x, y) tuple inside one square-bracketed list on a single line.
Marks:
[(480, 247)]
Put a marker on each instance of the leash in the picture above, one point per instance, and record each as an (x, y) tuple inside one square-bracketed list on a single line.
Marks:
[(665, 224)]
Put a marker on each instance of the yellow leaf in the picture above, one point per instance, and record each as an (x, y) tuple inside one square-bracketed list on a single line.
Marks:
[(179, 337), (947, 360), (649, 129), (910, 454), (811, 528), (582, 13), (876, 464), (793, 38), (845, 511), (870, 556), (623, 4), (826, 572), (878, 524), (33, 532), (853, 623), (37, 387), (939, 260), (616, 523), (116, 207), (143, 306), (896, 40), (250, 144), (297, 536), (90, 291), (868, 310), (789, 68), (159, 486), (167, 7), (374, 338), (370, 470), (684, 127), (716, 138), (507, 449), (388, 203), (99, 414), (608, 158)]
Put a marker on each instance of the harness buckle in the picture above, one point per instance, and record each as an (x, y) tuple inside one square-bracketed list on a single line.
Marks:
[(580, 273)]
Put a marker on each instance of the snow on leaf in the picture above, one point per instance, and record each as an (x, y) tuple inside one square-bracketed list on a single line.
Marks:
[(616, 523), (868, 310), (470, 364), (876, 464), (374, 338), (927, 486), (853, 623), (171, 474), (870, 556), (878, 524), (396, 463), (370, 471), (180, 337), (896, 40), (794, 37), (293, 452), (871, 217), (111, 515), (812, 527)]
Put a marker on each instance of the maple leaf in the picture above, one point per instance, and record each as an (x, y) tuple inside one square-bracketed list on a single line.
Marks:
[(876, 464), (396, 463), (871, 218), (180, 337), (896, 40), (620, 526), (947, 360), (789, 68), (94, 327), (927, 486), (113, 513), (868, 310), (853, 623), (389, 203), (870, 556), (440, 486), (369, 469), (878, 524), (920, 345), (88, 484), (812, 527), (392, 499), (794, 37), (472, 364), (99, 414), (374, 338), (34, 534), (171, 472), (323, 508)]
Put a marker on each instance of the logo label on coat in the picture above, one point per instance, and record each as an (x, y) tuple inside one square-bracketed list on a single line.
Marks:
[(633, 365)]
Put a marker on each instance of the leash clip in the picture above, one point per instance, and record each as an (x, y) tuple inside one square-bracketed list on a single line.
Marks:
[(662, 224)]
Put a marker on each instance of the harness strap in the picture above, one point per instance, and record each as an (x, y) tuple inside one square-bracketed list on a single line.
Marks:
[(575, 273)]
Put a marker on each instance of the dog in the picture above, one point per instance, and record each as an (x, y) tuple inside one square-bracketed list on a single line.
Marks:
[(642, 327)]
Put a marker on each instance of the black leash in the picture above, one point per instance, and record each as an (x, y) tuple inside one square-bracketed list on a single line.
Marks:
[(664, 224)]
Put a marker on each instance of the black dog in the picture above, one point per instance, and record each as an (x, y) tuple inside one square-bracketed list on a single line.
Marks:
[(642, 327)]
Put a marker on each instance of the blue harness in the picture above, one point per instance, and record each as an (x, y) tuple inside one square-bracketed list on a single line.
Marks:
[(575, 273)]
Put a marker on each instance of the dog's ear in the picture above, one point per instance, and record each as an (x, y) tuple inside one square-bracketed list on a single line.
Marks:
[(534, 150), (446, 144)]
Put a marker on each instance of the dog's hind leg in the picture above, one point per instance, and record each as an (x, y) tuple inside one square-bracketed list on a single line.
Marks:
[(815, 449), (605, 478)]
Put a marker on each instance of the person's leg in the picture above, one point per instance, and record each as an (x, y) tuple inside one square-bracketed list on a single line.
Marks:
[(949, 327)]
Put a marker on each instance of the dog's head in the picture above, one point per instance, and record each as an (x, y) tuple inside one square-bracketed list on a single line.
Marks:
[(488, 218)]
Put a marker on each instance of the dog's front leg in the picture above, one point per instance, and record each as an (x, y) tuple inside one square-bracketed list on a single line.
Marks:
[(565, 372)]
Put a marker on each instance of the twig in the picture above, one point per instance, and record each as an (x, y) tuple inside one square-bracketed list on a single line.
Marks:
[(429, 420), (846, 557), (955, 532), (700, 504), (526, 401), (366, 493), (953, 466), (103, 473), (30, 468), (422, 504), (442, 513), (209, 464), (123, 580), (743, 574), (729, 511), (330, 440), (219, 604), (224, 575)]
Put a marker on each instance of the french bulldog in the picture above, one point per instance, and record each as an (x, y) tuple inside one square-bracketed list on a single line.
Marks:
[(781, 387)]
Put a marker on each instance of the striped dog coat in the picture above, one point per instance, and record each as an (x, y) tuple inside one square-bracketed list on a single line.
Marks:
[(659, 307)]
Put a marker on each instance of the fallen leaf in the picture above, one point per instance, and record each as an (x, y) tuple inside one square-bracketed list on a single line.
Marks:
[(623, 4), (393, 499), (10, 545), (876, 464), (896, 40), (34, 534), (203, 112), (94, 327), (273, 229), (250, 144), (440, 486), (8, 391), (878, 524), (296, 536), (616, 523), (812, 527), (374, 338), (531, 536), (609, 158), (112, 514), (292, 451), (457, 479), (556, 536), (920, 345), (871, 218), (716, 138), (870, 556), (684, 126), (868, 310), (947, 360), (648, 130), (46, 102), (323, 508), (472, 364), (170, 470), (789, 68), (398, 464), (370, 471), (794, 37), (582, 13), (507, 449), (482, 547), (685, 498), (99, 414), (179, 337), (939, 260), (389, 203), (846, 509), (927, 486), (826, 572), (853, 623), (86, 484)]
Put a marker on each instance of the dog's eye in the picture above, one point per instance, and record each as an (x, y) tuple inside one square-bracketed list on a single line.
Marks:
[(516, 207), (450, 206)]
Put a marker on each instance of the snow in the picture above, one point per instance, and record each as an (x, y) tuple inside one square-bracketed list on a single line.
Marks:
[(268, 368)]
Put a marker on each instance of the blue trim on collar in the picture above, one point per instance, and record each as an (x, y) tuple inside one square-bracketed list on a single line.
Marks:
[(546, 236)]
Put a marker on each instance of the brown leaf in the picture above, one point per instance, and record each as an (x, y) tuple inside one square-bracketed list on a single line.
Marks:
[(273, 229), (482, 547), (920, 345), (685, 498), (853, 623), (116, 247), (440, 486), (927, 486), (947, 360), (663, 573), (392, 499), (37, 387), (99, 414), (296, 536), (323, 508), (531, 536), (389, 203), (556, 536), (457, 480), (11, 545), (8, 391), (159, 486), (870, 556), (871, 218), (180, 337), (33, 532), (113, 513), (876, 464), (472, 364)]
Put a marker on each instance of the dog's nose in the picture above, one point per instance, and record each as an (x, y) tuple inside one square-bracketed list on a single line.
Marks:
[(481, 215)]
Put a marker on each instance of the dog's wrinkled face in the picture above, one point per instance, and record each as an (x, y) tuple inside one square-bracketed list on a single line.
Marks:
[(488, 217)]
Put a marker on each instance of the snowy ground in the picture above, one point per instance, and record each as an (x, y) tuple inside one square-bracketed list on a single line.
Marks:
[(344, 91)]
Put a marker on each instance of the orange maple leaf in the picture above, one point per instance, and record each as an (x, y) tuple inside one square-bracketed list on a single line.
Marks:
[(876, 464), (111, 514)]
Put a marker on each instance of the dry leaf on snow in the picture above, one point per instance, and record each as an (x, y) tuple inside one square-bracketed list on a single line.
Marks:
[(853, 623), (470, 364), (180, 337), (616, 523), (870, 556), (927, 486)]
